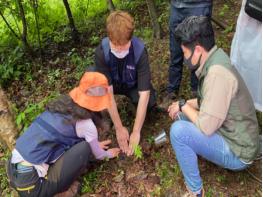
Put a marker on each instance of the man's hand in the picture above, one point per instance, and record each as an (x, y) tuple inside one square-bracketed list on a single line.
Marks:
[(173, 110), (104, 144), (114, 152), (123, 138), (134, 141)]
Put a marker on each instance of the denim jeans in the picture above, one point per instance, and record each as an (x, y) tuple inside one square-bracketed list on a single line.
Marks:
[(177, 15), (188, 142)]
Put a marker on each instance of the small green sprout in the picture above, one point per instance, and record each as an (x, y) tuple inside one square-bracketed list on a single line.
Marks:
[(138, 152)]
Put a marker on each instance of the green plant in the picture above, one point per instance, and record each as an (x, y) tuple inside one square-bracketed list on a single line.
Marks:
[(156, 155), (209, 192), (12, 66), (26, 117), (81, 63), (229, 29), (94, 40), (150, 139), (176, 169), (224, 10), (156, 191), (221, 42), (138, 152), (146, 33), (53, 75), (4, 185), (88, 182), (221, 178), (169, 174)]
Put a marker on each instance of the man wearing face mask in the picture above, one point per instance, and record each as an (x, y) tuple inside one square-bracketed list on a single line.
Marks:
[(123, 58), (220, 124)]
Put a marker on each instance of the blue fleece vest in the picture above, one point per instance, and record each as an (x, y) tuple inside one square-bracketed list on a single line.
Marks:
[(129, 73), (47, 138)]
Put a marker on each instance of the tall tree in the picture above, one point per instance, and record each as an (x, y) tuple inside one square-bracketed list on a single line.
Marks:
[(35, 8), (157, 30), (74, 31), (8, 129), (24, 33), (111, 6)]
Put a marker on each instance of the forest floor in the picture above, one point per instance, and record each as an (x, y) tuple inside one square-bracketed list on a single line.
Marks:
[(157, 173)]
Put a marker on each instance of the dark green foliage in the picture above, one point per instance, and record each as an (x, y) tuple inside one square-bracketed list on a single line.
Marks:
[(25, 118), (12, 66)]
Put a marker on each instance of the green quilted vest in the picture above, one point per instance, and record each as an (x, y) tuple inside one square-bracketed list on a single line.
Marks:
[(240, 128)]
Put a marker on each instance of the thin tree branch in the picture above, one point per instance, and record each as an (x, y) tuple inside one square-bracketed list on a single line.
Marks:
[(8, 25), (219, 23)]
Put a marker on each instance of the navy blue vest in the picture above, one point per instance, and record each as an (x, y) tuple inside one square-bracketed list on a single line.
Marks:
[(129, 72), (47, 138)]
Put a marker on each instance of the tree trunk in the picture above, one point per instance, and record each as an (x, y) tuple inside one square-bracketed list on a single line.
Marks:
[(8, 129), (74, 31), (153, 14), (23, 18), (35, 8), (111, 6)]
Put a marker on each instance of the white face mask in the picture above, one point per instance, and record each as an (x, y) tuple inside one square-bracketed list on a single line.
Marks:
[(120, 55)]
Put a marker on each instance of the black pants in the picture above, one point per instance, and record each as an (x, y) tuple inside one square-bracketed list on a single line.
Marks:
[(177, 15), (60, 175), (133, 95)]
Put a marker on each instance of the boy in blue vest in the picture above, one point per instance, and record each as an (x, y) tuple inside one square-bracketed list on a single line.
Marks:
[(61, 142), (219, 125), (123, 58)]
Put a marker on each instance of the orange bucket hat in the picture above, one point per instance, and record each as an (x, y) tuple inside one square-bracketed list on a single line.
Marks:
[(92, 92)]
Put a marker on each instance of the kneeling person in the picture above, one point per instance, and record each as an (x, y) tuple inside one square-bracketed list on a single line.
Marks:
[(221, 122), (123, 58), (61, 142)]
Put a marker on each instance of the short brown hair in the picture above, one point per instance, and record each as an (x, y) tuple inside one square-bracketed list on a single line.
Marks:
[(120, 26)]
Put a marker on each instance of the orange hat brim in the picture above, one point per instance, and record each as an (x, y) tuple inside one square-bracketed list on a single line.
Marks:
[(93, 103)]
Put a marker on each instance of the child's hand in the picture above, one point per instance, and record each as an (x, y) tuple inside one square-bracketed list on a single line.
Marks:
[(104, 144), (114, 152)]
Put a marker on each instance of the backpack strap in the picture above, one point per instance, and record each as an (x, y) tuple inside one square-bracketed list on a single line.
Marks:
[(138, 47), (106, 49)]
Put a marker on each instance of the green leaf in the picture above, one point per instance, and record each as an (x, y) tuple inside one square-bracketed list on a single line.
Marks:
[(138, 152)]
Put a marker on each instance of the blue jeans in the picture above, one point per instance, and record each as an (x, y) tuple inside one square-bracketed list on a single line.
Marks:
[(188, 142), (177, 15)]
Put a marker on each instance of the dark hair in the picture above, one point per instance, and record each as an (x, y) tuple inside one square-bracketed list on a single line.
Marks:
[(196, 30), (65, 105)]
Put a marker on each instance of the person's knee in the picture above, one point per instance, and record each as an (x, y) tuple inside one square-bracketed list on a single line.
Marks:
[(177, 130), (84, 152), (84, 148)]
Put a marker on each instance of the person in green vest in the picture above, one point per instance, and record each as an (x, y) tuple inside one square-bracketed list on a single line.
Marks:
[(219, 125)]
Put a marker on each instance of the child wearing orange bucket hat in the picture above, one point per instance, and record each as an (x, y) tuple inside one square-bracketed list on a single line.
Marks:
[(61, 142)]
